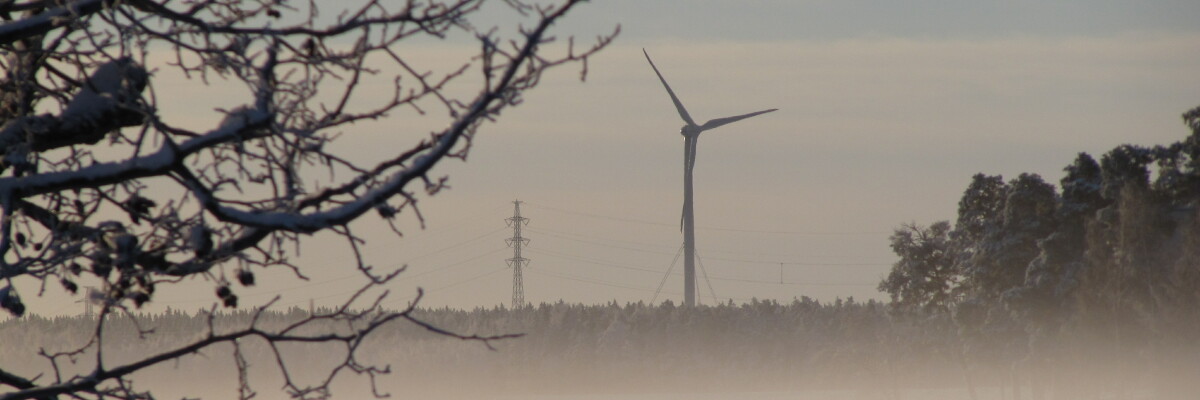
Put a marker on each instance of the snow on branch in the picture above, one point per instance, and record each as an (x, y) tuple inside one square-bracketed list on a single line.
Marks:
[(48, 20), (100, 187), (105, 103)]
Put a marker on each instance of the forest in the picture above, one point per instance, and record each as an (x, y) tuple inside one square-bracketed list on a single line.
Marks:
[(1100, 272), (565, 348), (1087, 289)]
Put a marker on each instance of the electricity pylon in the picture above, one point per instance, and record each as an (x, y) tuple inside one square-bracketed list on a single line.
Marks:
[(517, 261)]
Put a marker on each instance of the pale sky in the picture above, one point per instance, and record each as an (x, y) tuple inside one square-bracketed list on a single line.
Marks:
[(886, 109)]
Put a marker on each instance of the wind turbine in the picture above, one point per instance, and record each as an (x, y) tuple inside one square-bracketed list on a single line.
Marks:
[(691, 135)]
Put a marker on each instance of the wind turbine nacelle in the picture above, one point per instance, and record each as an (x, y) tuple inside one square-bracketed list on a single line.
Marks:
[(689, 130)]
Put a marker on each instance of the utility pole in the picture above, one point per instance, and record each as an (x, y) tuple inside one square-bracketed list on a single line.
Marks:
[(517, 261)]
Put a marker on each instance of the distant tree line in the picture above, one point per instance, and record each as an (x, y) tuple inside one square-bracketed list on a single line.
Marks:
[(1101, 271), (761, 345)]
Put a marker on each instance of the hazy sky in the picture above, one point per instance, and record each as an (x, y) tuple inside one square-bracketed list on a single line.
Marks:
[(886, 110)]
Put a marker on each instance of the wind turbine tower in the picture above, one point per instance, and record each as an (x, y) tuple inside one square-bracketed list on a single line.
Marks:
[(517, 261), (691, 135)]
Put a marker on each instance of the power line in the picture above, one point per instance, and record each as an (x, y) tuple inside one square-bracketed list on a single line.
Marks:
[(590, 280), (445, 267), (443, 287), (616, 285), (474, 278), (487, 212), (597, 238), (593, 242), (778, 257), (674, 261), (709, 282), (406, 276), (719, 278), (737, 260), (799, 263), (742, 230), (402, 277), (592, 261), (447, 248)]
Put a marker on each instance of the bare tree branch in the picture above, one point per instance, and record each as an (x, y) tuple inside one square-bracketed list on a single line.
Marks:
[(98, 185), (48, 20)]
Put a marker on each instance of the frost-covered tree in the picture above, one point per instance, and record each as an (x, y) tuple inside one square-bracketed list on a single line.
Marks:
[(1122, 237), (1051, 279), (1004, 253), (979, 214), (1105, 275), (996, 237), (924, 278), (99, 186), (1180, 183)]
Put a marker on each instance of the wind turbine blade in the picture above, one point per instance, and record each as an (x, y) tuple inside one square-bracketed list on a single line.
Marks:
[(682, 214), (689, 164), (687, 171), (678, 106), (695, 143), (729, 120)]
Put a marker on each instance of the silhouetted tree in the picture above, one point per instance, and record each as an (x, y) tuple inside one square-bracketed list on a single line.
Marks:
[(924, 277), (1005, 250), (100, 187)]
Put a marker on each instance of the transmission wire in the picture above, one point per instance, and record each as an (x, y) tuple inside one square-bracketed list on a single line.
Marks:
[(667, 275), (706, 280)]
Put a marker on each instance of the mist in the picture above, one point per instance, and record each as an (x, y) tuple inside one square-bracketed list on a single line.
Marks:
[(945, 201), (759, 350)]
